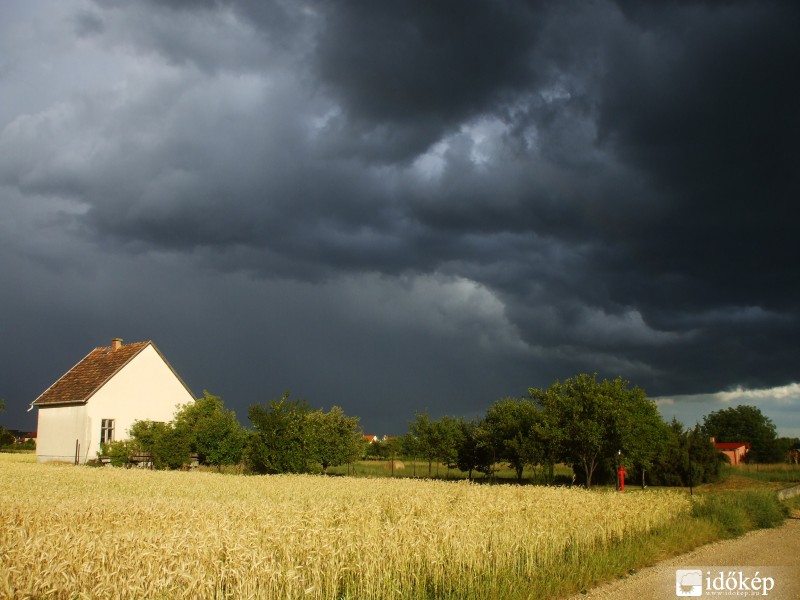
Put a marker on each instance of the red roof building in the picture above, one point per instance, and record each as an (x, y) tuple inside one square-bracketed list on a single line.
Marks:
[(735, 451)]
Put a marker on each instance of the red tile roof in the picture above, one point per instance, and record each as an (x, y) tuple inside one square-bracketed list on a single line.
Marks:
[(731, 445), (78, 384)]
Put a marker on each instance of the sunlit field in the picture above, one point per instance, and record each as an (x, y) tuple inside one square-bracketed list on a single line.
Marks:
[(78, 532)]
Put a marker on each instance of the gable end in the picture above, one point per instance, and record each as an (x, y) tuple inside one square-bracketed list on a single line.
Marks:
[(83, 380)]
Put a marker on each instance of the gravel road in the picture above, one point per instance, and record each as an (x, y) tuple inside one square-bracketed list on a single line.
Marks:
[(773, 553)]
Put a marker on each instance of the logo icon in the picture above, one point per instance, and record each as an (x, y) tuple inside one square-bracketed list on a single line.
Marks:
[(688, 582)]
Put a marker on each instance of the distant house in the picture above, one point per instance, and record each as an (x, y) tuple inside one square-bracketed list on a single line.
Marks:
[(735, 451), (20, 436), (98, 400), (371, 438)]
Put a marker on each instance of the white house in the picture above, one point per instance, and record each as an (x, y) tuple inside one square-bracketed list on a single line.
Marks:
[(98, 400)]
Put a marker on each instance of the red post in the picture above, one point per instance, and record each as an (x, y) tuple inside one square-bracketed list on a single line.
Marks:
[(621, 476)]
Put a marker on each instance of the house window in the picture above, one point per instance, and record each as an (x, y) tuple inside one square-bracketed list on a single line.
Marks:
[(107, 431)]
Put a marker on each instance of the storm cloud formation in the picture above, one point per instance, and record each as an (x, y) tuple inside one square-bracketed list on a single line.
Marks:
[(400, 206)]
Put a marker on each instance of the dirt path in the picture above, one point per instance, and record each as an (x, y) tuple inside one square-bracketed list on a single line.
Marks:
[(773, 553)]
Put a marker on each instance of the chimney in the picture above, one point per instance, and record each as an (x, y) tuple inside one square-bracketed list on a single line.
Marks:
[(116, 344)]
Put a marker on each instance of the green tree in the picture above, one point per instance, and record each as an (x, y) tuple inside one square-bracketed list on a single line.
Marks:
[(436, 440), (474, 451), (671, 467), (591, 422), (424, 438), (704, 460), (393, 447), (283, 440), (410, 447), (509, 425), (643, 434), (146, 434), (448, 433), (169, 447), (745, 424), (337, 437), (119, 451), (550, 438), (214, 432), (688, 458)]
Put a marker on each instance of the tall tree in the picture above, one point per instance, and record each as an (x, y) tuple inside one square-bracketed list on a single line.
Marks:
[(423, 438), (745, 424), (643, 434), (704, 460), (688, 458), (410, 447), (215, 433), (283, 440), (592, 421), (337, 438), (474, 450), (671, 467), (510, 426), (447, 432), (435, 440)]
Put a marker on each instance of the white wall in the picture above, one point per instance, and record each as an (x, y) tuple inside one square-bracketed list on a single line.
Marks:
[(58, 430), (144, 389)]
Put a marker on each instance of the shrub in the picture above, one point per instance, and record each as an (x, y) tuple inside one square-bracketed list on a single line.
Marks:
[(119, 452)]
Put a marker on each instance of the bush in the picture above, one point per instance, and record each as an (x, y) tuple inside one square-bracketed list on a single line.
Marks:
[(169, 447), (119, 452)]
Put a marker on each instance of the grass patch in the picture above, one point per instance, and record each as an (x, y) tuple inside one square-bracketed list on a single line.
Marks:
[(735, 513), (793, 506), (774, 473)]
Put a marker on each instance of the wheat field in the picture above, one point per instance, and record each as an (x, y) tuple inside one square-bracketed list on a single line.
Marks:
[(78, 532)]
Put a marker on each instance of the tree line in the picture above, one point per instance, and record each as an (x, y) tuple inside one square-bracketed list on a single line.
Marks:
[(597, 426), (593, 425)]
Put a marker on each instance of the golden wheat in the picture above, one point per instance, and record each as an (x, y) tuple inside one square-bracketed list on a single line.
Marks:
[(77, 532)]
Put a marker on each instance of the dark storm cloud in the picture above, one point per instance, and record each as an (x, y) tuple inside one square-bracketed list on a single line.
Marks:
[(703, 107), (407, 72), (454, 196), (698, 101)]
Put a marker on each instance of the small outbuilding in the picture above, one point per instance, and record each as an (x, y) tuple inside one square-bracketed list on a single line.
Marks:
[(735, 451), (99, 399)]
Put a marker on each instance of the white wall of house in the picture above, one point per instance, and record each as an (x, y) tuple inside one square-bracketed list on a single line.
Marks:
[(59, 428), (144, 389)]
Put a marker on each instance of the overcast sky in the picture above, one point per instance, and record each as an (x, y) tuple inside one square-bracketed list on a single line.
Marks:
[(400, 206)]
